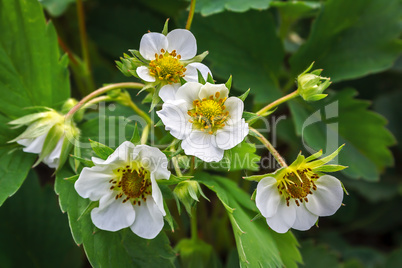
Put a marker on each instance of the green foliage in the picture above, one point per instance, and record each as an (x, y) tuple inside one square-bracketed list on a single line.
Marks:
[(56, 7), (103, 248), (318, 256), (241, 42), (209, 7), (348, 39), (34, 232), (367, 140)]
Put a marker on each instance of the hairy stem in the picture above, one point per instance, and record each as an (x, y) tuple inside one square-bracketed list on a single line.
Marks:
[(269, 146), (272, 105)]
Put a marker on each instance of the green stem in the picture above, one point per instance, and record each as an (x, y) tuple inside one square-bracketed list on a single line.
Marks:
[(194, 231), (190, 15), (96, 100), (269, 146), (101, 91), (272, 105), (140, 112)]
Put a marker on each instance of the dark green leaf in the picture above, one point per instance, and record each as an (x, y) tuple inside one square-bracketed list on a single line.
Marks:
[(367, 140), (349, 40), (109, 249), (245, 46), (34, 232), (318, 256), (31, 70), (209, 7), (56, 7)]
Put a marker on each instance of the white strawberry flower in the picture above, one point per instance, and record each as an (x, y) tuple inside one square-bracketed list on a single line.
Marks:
[(125, 185), (295, 196), (171, 57), (205, 119)]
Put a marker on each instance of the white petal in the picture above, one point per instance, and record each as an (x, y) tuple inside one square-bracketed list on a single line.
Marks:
[(153, 160), (191, 74), (175, 118), (235, 107), (231, 135), (149, 220), (267, 197), (35, 146), (93, 183), (183, 41), (284, 218), (327, 199), (202, 145), (121, 156), (112, 214), (152, 43), (304, 218), (189, 93), (211, 89), (52, 160), (143, 73), (157, 194), (168, 92)]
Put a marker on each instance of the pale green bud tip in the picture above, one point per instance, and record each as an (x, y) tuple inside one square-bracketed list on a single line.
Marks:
[(68, 105), (187, 190), (311, 85)]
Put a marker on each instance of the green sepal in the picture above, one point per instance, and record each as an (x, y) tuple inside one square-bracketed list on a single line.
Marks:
[(138, 56), (210, 79), (51, 140), (159, 124), (257, 217), (326, 159), (198, 58), (165, 27), (244, 95), (329, 168), (89, 208), (269, 112), (256, 178), (168, 217), (136, 138), (27, 119), (100, 149), (65, 151), (201, 79), (228, 83), (155, 100), (148, 98), (308, 68), (314, 156), (86, 162), (250, 117), (34, 130), (174, 180), (72, 178), (316, 97), (317, 71), (182, 81)]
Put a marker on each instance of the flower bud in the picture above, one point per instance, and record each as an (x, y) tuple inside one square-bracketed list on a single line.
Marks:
[(311, 86), (187, 192), (47, 134)]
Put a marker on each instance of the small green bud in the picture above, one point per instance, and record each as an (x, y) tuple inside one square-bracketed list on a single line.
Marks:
[(187, 192), (68, 105), (311, 85)]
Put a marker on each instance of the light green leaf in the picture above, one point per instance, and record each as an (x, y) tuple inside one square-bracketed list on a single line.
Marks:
[(31, 70), (258, 246), (109, 249), (209, 7), (56, 7), (245, 46), (34, 232), (366, 139), (348, 39)]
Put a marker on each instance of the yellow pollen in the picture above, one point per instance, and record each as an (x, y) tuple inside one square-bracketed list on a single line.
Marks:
[(131, 182), (209, 113), (167, 67)]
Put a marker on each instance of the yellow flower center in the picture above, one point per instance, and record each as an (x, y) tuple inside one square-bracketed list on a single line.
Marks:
[(133, 182), (209, 114), (167, 67), (297, 185)]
